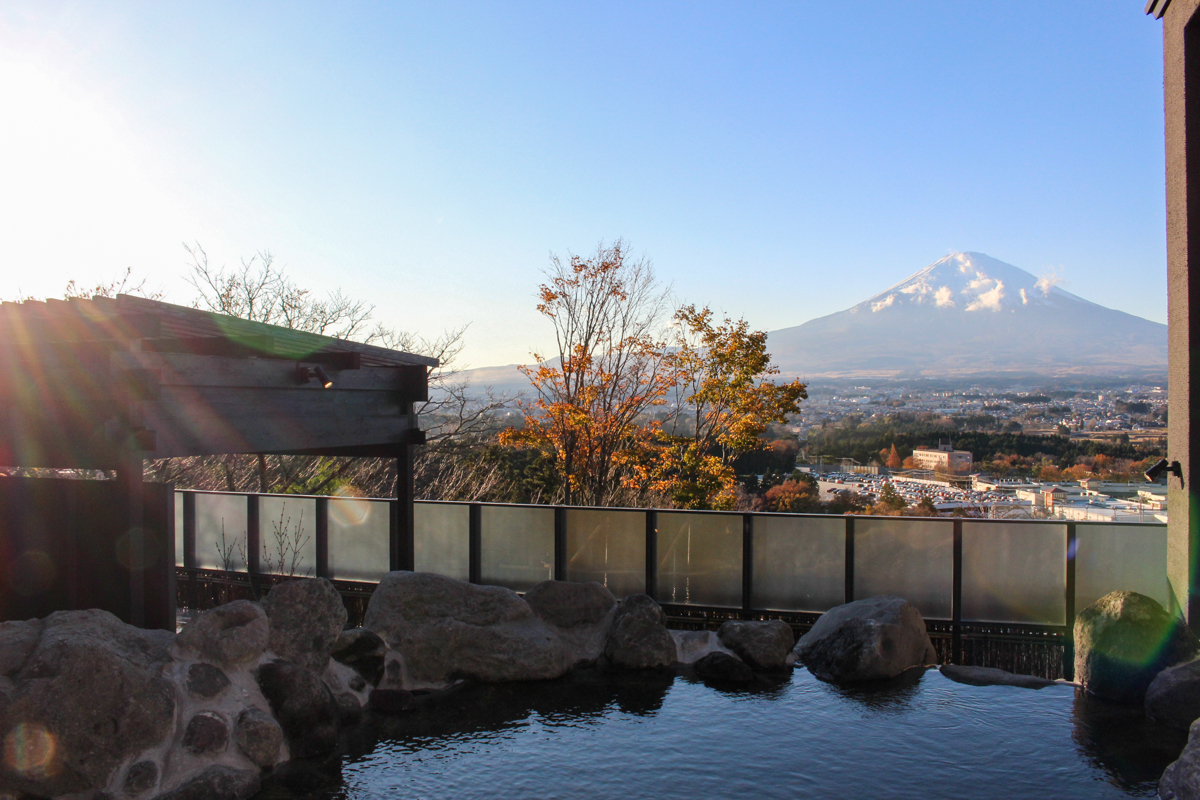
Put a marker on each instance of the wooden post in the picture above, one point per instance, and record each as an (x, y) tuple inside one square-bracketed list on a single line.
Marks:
[(130, 535), (1181, 86)]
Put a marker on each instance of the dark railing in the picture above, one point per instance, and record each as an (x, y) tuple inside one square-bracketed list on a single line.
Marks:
[(977, 581)]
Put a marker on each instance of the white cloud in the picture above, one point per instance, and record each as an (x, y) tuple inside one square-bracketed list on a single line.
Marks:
[(1024, 298), (1048, 282), (944, 297), (989, 299), (882, 304)]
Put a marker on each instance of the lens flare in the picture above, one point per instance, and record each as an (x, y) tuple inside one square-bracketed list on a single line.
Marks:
[(29, 750), (349, 508)]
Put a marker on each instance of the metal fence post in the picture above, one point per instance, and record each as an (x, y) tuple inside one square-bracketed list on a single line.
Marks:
[(321, 537), (956, 597), (1069, 604), (747, 562), (253, 536), (560, 543), (475, 543), (849, 558), (189, 530), (652, 553)]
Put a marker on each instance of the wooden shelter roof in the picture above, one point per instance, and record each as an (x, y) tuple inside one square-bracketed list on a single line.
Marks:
[(86, 383)]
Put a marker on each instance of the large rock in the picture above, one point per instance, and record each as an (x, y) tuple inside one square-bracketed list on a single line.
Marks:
[(1173, 697), (1181, 779), (1122, 641), (989, 676), (578, 612), (691, 646), (258, 736), (305, 708), (763, 645), (89, 696), (638, 637), (217, 782), (871, 639), (448, 629), (719, 667), (363, 651), (306, 617), (565, 604), (231, 635)]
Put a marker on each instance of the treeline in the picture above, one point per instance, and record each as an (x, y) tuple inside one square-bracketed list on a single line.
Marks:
[(864, 445)]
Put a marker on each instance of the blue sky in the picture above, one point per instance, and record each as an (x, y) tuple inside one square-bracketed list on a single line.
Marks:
[(778, 161)]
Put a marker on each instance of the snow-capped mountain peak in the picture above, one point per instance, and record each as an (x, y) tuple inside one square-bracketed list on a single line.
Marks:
[(969, 282)]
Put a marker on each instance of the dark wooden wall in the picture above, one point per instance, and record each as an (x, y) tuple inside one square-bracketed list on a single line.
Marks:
[(63, 547)]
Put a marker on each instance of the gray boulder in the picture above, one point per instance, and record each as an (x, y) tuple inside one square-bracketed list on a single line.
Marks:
[(93, 686), (1173, 697), (718, 667), (140, 778), (691, 646), (204, 681), (565, 604), (988, 676), (217, 782), (258, 736), (306, 617), (638, 637), (763, 645), (230, 635), (206, 734), (363, 651), (578, 612), (871, 639), (1123, 640), (305, 708), (1181, 779), (448, 629)]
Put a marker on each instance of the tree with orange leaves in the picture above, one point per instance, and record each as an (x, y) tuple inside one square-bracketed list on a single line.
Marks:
[(609, 369), (893, 460), (724, 402)]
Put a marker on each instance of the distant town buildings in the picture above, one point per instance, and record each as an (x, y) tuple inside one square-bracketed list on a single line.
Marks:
[(943, 459)]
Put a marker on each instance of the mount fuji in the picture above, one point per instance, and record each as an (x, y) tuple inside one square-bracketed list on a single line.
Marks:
[(970, 314)]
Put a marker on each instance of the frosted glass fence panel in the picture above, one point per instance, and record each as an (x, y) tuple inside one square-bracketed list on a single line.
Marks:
[(286, 527), (906, 558), (359, 532), (442, 543), (799, 563), (608, 547), (1014, 572), (179, 529), (221, 531), (1111, 558), (700, 559), (516, 546)]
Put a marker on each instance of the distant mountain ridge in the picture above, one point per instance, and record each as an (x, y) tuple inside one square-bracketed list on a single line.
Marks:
[(965, 315), (971, 314)]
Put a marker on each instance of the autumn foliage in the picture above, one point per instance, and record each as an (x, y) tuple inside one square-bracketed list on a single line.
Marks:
[(614, 364)]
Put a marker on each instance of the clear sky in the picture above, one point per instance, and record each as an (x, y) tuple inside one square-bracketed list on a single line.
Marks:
[(778, 161)]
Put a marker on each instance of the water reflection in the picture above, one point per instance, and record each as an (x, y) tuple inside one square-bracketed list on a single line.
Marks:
[(890, 696), (1131, 750), (674, 738)]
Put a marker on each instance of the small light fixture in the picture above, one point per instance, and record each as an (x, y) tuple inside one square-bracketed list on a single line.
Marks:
[(306, 374)]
